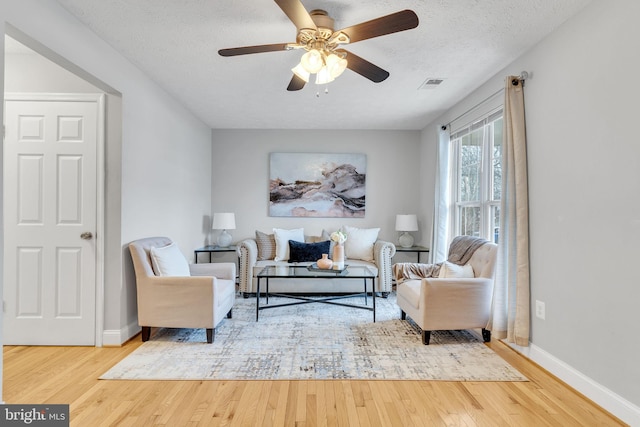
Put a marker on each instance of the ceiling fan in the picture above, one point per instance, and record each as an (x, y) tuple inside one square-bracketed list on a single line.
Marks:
[(324, 56)]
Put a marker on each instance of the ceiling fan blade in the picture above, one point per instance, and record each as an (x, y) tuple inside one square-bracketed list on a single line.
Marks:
[(399, 21), (246, 50), (296, 13), (296, 83), (364, 67)]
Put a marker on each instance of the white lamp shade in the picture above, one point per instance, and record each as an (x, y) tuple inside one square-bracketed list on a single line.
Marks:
[(323, 76), (336, 65), (406, 223), (224, 221), (312, 61), (299, 71)]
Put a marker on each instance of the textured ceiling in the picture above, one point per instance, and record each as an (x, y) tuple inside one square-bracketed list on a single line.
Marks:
[(464, 42)]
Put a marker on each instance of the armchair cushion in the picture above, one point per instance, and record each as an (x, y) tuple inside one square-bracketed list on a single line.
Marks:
[(169, 261), (221, 270), (410, 292), (451, 270), (282, 238), (302, 252), (359, 243)]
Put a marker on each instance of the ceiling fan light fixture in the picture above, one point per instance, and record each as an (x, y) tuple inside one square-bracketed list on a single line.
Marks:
[(316, 35), (312, 61), (336, 65), (299, 71)]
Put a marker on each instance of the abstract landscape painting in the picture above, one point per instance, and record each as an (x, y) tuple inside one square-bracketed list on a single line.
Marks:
[(317, 185)]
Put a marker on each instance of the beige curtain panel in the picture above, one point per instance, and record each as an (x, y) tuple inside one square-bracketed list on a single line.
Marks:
[(511, 299)]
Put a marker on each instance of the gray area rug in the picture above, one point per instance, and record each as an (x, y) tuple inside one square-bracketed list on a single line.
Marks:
[(314, 341)]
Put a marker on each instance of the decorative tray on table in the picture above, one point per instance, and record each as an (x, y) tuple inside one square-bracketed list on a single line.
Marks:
[(314, 267)]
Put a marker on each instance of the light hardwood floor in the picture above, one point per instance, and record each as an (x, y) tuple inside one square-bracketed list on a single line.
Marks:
[(35, 375)]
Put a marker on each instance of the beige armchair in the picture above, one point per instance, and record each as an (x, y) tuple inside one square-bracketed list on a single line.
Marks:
[(200, 299), (436, 303)]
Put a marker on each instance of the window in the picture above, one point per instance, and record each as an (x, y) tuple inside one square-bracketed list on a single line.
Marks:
[(477, 171)]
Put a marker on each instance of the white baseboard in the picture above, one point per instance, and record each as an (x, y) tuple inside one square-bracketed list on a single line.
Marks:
[(116, 337), (607, 399)]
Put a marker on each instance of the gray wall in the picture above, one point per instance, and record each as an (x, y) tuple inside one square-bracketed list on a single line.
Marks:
[(241, 172), (584, 177), (161, 175)]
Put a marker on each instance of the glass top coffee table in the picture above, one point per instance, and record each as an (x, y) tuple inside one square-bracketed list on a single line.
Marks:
[(303, 272)]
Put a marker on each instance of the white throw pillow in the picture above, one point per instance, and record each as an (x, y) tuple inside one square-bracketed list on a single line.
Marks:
[(454, 271), (359, 244), (282, 241), (169, 261)]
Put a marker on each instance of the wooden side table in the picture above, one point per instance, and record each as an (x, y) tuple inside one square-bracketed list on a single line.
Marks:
[(416, 249), (211, 249)]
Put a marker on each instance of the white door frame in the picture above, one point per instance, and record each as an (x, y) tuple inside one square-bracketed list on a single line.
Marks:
[(99, 99)]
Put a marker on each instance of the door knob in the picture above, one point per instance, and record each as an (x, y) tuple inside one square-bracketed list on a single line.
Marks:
[(86, 235)]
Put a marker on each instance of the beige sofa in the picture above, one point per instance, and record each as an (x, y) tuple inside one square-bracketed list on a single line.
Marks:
[(250, 266), (200, 298)]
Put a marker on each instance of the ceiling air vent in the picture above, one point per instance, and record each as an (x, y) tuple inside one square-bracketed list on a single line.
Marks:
[(431, 83)]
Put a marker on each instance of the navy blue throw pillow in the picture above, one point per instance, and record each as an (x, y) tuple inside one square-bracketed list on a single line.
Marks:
[(301, 252)]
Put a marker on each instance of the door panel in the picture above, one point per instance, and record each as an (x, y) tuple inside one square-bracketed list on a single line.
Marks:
[(29, 282), (29, 188)]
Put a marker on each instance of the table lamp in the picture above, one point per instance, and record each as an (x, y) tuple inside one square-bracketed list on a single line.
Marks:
[(224, 221), (406, 223)]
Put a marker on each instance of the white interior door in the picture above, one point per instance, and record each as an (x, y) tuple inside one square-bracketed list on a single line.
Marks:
[(50, 150)]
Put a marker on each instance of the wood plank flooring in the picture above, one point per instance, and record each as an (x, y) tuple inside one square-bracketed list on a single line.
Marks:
[(36, 375)]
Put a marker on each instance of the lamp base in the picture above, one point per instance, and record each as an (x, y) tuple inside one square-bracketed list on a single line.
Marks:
[(224, 239), (405, 240)]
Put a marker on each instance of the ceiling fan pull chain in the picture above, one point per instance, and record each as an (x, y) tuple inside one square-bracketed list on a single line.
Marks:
[(326, 91)]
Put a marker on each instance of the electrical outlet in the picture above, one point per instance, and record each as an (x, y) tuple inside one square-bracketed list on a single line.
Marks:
[(540, 309)]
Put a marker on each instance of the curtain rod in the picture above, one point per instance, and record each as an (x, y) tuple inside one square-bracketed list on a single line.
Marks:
[(522, 77)]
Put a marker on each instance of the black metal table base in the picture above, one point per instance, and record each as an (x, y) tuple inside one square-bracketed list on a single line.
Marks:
[(322, 300)]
